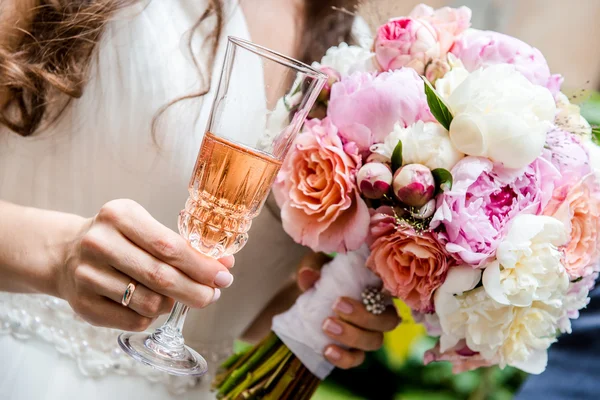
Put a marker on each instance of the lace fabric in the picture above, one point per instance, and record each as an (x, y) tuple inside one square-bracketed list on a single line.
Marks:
[(94, 349)]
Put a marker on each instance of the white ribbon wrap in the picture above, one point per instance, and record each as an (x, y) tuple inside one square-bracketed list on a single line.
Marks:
[(300, 328)]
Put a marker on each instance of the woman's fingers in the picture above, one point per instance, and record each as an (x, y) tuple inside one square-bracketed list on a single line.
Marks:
[(309, 269), (137, 225), (344, 359), (354, 312), (112, 284), (307, 278), (100, 311), (109, 247), (351, 336)]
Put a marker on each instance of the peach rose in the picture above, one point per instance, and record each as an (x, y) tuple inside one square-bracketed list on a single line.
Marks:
[(411, 265), (316, 190), (460, 356), (578, 207)]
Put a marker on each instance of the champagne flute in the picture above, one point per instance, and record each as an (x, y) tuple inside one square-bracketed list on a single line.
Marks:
[(243, 148)]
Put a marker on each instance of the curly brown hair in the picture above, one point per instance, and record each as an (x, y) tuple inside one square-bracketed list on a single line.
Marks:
[(46, 48)]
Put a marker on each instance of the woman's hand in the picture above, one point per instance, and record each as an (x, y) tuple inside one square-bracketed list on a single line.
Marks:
[(123, 243), (353, 326)]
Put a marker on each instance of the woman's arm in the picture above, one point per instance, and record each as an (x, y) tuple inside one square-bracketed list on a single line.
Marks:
[(33, 245), (90, 262)]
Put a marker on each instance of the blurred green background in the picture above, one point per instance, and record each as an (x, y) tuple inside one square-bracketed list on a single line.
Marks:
[(397, 370)]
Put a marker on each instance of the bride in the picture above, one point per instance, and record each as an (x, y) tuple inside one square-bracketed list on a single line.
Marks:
[(102, 109)]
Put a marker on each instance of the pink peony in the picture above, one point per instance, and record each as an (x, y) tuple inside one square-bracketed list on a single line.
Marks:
[(460, 356), (477, 49), (565, 151), (412, 266), (320, 204), (578, 207), (475, 214), (365, 107), (424, 36), (406, 42), (448, 22)]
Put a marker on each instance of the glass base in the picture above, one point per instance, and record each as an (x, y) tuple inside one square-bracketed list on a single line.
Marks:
[(178, 360)]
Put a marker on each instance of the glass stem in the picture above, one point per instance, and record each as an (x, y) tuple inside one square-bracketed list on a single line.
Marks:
[(170, 334)]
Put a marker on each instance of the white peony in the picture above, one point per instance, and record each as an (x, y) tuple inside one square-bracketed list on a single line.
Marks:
[(458, 73), (348, 59), (459, 280), (425, 143), (569, 118), (528, 264), (500, 115), (503, 334)]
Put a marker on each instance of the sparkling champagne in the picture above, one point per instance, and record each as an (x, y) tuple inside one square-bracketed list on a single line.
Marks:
[(229, 185)]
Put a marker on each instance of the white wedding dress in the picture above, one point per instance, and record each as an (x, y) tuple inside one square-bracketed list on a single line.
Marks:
[(102, 148)]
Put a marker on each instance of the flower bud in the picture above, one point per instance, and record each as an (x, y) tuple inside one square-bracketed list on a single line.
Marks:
[(414, 185), (333, 78), (436, 69), (374, 180)]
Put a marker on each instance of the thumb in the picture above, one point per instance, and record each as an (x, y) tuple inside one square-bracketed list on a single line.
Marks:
[(309, 270), (307, 278)]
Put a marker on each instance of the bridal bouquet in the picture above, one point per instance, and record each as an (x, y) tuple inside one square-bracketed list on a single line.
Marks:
[(445, 166)]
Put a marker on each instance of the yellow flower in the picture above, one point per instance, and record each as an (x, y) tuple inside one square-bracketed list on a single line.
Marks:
[(398, 343)]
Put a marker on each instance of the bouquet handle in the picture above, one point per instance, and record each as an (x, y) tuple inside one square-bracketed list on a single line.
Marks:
[(300, 328)]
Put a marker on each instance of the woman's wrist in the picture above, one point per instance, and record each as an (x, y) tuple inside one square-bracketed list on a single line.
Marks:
[(59, 249), (35, 246)]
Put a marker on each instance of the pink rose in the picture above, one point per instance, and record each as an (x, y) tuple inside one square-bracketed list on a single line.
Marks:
[(316, 190), (365, 107), (475, 214), (578, 207), (412, 266), (406, 42), (477, 49), (460, 356), (449, 22), (565, 151)]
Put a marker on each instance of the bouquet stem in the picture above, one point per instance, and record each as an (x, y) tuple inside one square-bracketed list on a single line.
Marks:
[(268, 371)]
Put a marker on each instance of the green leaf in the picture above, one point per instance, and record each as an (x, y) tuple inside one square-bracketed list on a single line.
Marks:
[(443, 180), (596, 135), (438, 107), (397, 157), (590, 110)]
